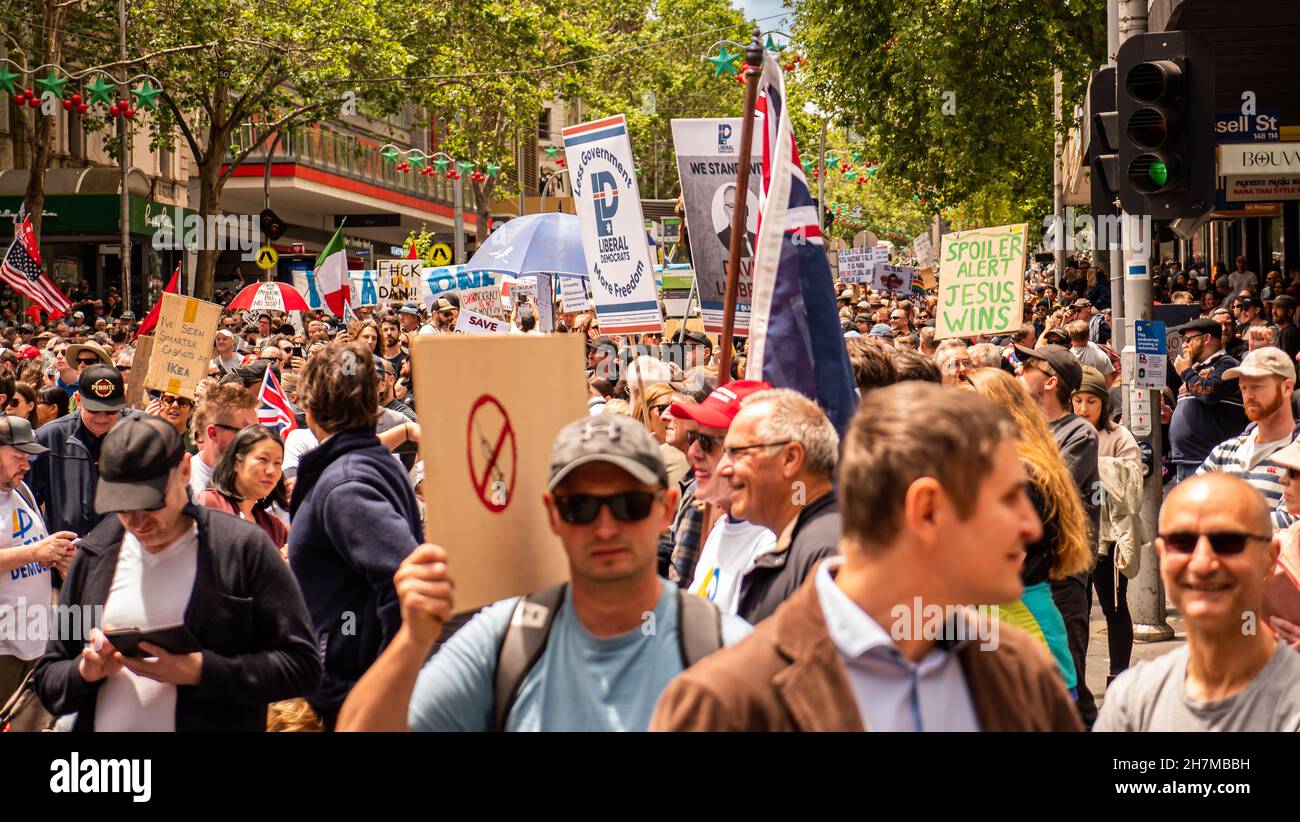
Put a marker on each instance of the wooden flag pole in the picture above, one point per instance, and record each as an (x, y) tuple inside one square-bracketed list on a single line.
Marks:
[(753, 68)]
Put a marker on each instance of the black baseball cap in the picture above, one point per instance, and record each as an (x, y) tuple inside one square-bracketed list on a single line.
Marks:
[(1284, 301), (101, 389), (17, 432), (135, 462), (1065, 364), (1201, 325)]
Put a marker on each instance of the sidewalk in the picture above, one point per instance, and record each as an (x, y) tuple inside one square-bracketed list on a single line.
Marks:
[(1098, 665)]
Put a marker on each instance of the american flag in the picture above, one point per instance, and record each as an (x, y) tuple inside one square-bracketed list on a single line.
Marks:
[(21, 270), (273, 410), (794, 328)]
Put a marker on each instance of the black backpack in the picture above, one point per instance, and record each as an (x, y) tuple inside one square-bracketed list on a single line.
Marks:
[(699, 633)]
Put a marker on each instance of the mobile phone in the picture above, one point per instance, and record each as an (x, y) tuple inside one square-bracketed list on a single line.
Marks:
[(174, 639)]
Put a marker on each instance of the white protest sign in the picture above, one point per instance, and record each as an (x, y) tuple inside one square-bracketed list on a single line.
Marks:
[(573, 294), (855, 265), (895, 279), (545, 303), (486, 300), (981, 279), (880, 255), (472, 322), (365, 287), (398, 280), (440, 280), (924, 250), (608, 203)]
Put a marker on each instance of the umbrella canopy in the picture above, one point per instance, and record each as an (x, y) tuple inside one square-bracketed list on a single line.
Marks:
[(269, 297), (533, 244)]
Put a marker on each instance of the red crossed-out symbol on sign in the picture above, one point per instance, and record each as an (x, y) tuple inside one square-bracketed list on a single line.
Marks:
[(489, 436)]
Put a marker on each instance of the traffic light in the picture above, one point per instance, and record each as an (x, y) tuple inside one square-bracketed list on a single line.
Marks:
[(1103, 142), (273, 227), (1165, 96)]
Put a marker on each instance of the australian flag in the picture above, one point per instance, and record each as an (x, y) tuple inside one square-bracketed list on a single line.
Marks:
[(21, 270), (795, 339), (273, 409)]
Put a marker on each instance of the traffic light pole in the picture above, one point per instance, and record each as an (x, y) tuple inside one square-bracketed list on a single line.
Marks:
[(1146, 595), (1114, 256)]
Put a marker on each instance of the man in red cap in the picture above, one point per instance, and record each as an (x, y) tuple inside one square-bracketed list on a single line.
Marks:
[(716, 569), (706, 424)]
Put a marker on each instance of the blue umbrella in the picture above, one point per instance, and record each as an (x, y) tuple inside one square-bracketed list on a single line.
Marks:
[(533, 244)]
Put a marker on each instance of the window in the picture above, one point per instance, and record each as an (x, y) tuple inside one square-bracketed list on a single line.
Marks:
[(544, 125)]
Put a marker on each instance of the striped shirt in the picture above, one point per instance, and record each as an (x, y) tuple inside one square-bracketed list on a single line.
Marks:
[(1242, 457)]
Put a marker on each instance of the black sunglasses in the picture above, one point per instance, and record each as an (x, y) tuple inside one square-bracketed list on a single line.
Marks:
[(707, 442), (629, 506), (1224, 543), (87, 360)]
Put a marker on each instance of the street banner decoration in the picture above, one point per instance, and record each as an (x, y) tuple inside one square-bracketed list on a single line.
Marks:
[(794, 332), (573, 295), (707, 160), (496, 427), (472, 322), (894, 279), (139, 365), (398, 281), (182, 345), (605, 194), (981, 280)]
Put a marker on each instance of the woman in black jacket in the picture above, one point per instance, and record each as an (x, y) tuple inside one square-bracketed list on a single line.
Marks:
[(243, 609)]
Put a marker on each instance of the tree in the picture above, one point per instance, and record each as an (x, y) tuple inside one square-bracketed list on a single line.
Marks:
[(273, 65), (955, 96)]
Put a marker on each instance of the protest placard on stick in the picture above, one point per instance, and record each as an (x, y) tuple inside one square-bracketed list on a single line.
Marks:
[(182, 345), (981, 281)]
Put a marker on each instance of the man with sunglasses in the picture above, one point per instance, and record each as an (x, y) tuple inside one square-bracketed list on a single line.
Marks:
[(1216, 554), (224, 412), (1209, 409), (599, 668)]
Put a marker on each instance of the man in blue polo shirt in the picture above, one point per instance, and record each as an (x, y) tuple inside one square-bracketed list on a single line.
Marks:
[(1209, 408)]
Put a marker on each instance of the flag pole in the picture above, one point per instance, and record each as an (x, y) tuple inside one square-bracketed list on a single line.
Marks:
[(753, 62)]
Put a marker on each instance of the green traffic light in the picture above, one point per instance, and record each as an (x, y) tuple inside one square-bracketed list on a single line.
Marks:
[(1159, 173)]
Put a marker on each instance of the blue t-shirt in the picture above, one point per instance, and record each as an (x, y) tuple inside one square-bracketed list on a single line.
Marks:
[(581, 682)]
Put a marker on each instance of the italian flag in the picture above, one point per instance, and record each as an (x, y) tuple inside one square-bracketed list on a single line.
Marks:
[(332, 275)]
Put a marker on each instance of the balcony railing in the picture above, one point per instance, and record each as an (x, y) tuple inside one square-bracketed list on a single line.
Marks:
[(349, 155)]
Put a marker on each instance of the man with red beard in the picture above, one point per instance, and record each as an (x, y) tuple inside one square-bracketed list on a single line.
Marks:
[(1266, 378)]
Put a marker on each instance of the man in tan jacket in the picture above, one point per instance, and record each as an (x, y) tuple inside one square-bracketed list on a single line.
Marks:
[(935, 519)]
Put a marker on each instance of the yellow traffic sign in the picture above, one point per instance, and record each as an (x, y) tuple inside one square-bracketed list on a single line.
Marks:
[(267, 258), (441, 254)]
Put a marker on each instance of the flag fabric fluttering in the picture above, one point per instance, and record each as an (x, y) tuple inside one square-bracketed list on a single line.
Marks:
[(21, 270), (332, 275), (273, 408), (795, 339), (173, 287)]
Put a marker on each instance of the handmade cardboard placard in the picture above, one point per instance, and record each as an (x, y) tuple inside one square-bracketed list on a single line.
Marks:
[(981, 279), (139, 364), (182, 345), (491, 405)]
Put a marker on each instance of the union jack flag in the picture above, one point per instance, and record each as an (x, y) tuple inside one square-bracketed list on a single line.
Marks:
[(21, 271), (794, 328), (273, 409)]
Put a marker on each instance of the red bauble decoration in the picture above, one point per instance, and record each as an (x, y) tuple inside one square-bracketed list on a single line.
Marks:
[(28, 93), (113, 109), (123, 105), (33, 102), (130, 114), (82, 108), (67, 105), (76, 98), (449, 174), (19, 98)]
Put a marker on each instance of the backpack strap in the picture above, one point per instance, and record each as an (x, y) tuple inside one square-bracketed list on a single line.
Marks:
[(699, 627), (28, 497), (523, 644)]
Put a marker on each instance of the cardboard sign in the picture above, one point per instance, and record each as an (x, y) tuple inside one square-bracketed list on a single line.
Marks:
[(981, 279), (471, 322), (497, 426), (182, 345), (139, 364), (573, 294), (398, 280), (708, 158), (486, 301), (608, 203), (924, 250)]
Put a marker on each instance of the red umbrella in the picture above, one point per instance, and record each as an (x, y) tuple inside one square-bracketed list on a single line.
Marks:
[(269, 297)]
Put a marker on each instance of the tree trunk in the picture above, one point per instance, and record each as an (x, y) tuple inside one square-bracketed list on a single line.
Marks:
[(210, 185), (51, 52)]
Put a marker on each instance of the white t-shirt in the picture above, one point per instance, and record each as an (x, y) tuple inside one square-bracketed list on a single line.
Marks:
[(200, 475), (149, 591), (729, 554), (299, 442), (25, 592)]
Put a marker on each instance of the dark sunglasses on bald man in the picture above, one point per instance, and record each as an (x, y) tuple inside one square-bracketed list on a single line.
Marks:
[(1224, 543)]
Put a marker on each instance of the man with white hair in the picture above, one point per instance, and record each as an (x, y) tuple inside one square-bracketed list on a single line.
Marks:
[(225, 357), (778, 460)]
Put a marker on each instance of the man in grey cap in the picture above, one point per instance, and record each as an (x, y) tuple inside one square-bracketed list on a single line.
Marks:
[(1266, 379), (446, 312), (592, 654)]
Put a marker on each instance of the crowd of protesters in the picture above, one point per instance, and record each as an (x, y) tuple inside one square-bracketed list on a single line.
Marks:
[(782, 560)]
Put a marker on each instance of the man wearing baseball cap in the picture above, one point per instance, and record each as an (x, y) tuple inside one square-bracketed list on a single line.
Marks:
[(64, 480), (1266, 379), (1051, 375), (1288, 336), (576, 656), (1209, 408), (239, 636)]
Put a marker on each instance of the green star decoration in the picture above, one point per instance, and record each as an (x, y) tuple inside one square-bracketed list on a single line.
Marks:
[(464, 167), (389, 155), (417, 160), (858, 156), (8, 79), (52, 83), (851, 175), (551, 151), (492, 169), (808, 165), (771, 46), (724, 62), (145, 94), (832, 161), (441, 164), (100, 91)]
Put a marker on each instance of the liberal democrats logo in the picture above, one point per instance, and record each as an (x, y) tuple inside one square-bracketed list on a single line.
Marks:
[(724, 139), (604, 198)]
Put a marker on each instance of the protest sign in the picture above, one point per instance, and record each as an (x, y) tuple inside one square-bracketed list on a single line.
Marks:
[(608, 203), (471, 322), (894, 279), (573, 294), (545, 303), (182, 345), (855, 265), (524, 291), (879, 255), (139, 364), (486, 300), (981, 279), (924, 250), (304, 281), (437, 281), (398, 280), (708, 153), (497, 425), (365, 287)]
